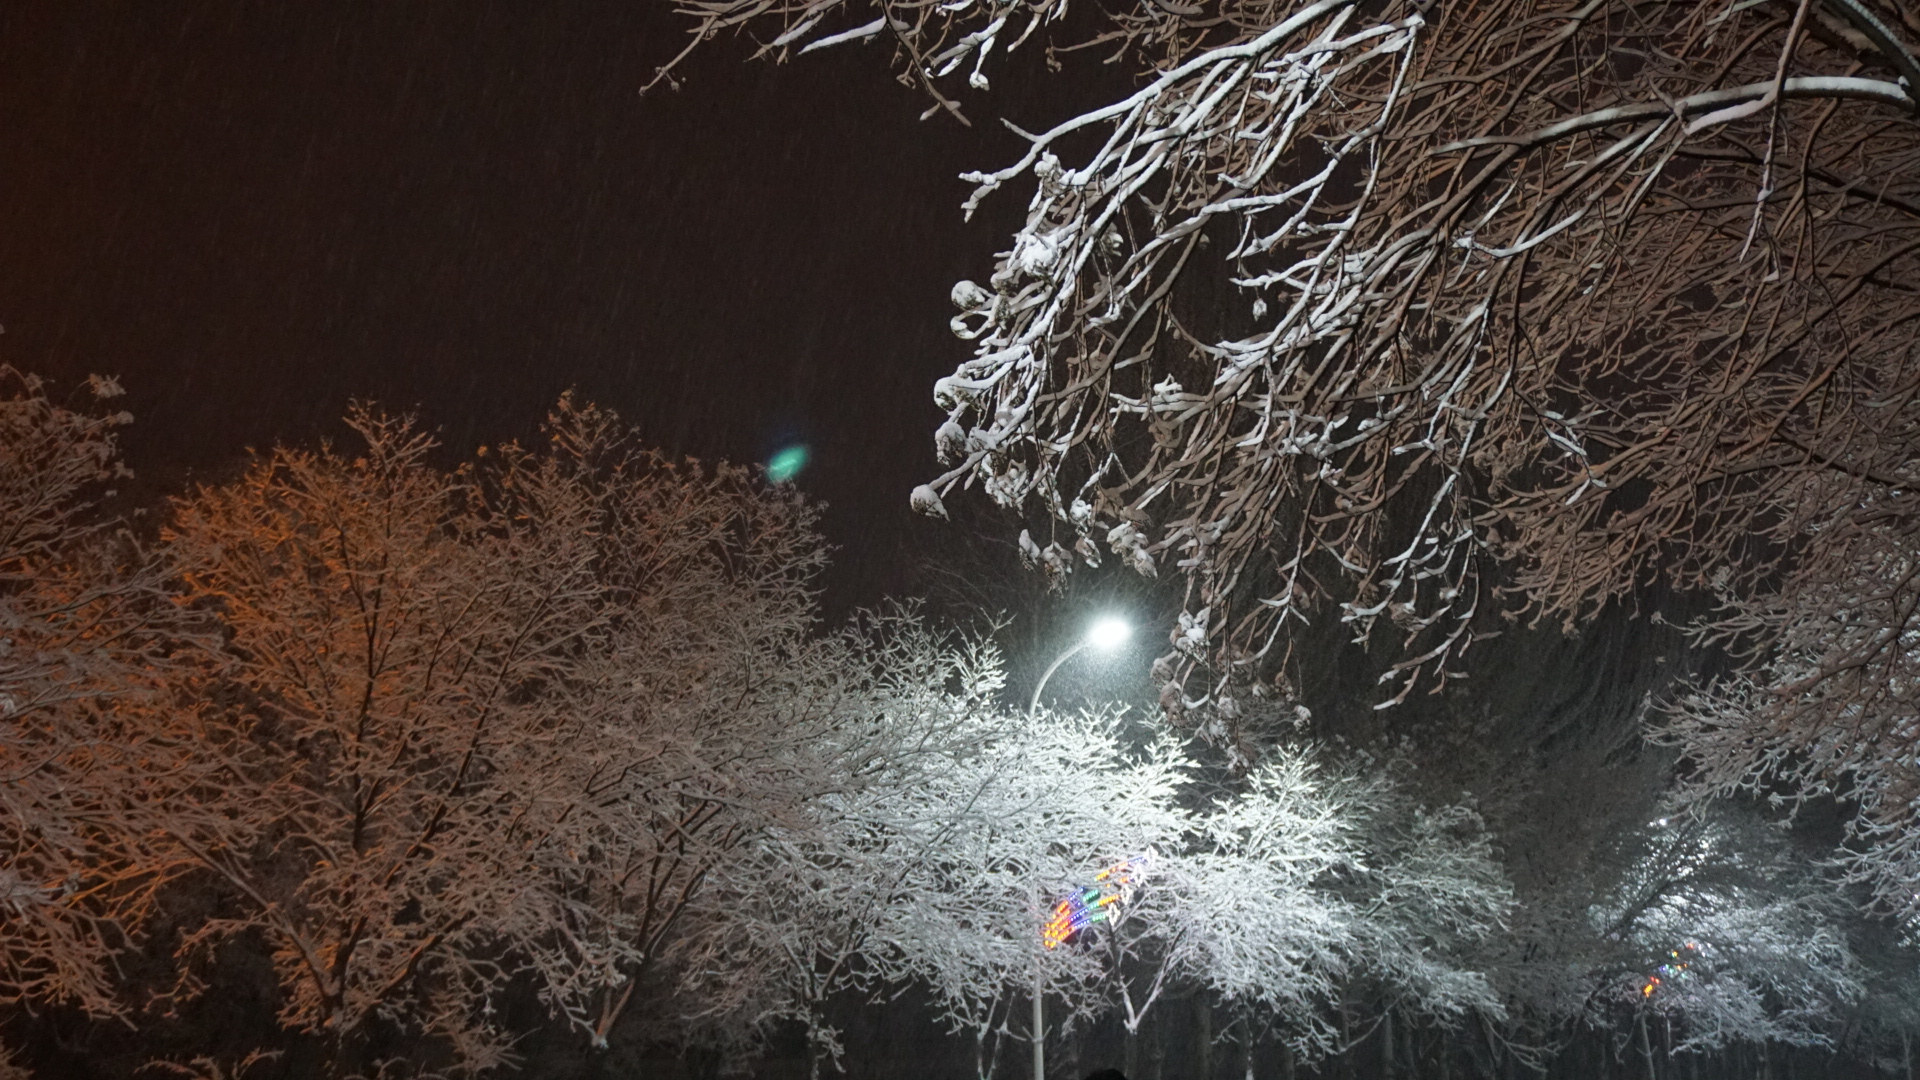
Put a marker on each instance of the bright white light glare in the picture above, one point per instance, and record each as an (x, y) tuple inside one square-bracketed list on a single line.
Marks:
[(1109, 634)]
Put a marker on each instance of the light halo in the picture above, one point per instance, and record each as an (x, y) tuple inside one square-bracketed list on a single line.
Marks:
[(1109, 633)]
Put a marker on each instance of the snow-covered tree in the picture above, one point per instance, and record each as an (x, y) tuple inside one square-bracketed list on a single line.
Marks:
[(1885, 1022), (704, 711), (464, 727), (810, 908), (1245, 907), (85, 635), (1044, 812), (1394, 293), (562, 717), (1825, 700), (1319, 884), (1278, 895), (1724, 931), (1430, 894)]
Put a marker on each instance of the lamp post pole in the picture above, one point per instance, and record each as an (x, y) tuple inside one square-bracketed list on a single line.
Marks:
[(1039, 1026), (1039, 975), (1107, 633)]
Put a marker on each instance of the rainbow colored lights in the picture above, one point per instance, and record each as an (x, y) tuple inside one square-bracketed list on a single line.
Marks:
[(1096, 903), (1670, 971)]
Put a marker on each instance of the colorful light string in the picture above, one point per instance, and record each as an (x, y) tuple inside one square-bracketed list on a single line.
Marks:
[(1671, 971), (1093, 904)]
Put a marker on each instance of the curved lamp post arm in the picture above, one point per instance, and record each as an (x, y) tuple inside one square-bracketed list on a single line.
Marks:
[(1034, 705)]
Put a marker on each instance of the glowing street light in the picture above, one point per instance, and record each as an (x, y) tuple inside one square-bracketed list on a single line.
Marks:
[(1109, 633)]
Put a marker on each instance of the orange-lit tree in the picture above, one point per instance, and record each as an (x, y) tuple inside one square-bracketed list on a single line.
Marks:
[(86, 634), (469, 726)]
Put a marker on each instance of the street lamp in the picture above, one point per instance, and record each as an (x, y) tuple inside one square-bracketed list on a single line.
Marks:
[(1106, 634)]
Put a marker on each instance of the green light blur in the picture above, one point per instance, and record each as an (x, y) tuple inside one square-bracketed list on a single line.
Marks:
[(787, 464)]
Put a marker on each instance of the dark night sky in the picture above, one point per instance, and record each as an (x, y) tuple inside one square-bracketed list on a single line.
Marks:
[(255, 211)]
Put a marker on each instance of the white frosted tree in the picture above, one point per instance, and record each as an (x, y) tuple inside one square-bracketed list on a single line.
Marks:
[(809, 909), (1316, 884), (1723, 931), (1242, 908), (1047, 810), (1824, 701), (1278, 895), (1431, 894), (944, 873)]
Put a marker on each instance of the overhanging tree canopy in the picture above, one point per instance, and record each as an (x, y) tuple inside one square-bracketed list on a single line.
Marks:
[(1422, 311)]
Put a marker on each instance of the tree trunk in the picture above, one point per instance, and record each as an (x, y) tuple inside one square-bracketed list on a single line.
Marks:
[(1246, 1042), (1159, 1052), (816, 1046), (1346, 1041), (348, 1057), (1386, 1045), (1410, 1050), (986, 1056), (1130, 1052), (1203, 1023)]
